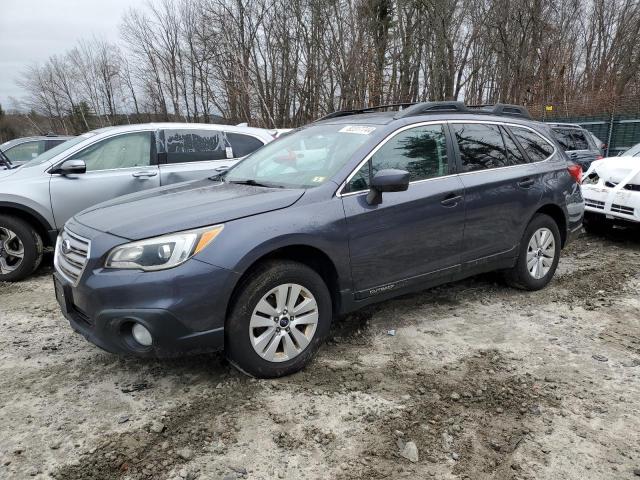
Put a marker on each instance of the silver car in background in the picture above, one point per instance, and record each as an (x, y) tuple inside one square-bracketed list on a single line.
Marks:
[(37, 198), (25, 149)]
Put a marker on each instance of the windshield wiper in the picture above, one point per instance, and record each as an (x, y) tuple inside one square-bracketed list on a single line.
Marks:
[(253, 183)]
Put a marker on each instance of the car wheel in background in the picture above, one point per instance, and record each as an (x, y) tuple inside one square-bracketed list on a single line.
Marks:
[(280, 317), (538, 255), (20, 249)]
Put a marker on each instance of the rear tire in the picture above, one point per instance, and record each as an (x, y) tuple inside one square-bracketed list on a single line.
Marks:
[(20, 249), (279, 319), (538, 255)]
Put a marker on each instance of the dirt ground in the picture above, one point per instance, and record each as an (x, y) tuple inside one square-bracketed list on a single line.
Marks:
[(487, 382)]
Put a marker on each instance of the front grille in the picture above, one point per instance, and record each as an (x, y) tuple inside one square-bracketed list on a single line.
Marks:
[(622, 209), (71, 255), (594, 203)]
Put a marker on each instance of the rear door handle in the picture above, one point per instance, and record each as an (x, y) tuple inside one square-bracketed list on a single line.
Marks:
[(222, 168), (144, 174), (526, 183), (451, 200)]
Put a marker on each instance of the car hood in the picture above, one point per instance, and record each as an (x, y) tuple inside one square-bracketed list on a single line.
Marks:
[(182, 207)]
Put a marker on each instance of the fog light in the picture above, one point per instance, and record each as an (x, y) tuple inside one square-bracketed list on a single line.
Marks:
[(141, 335)]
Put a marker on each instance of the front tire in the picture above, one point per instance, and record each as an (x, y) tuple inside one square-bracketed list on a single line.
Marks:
[(538, 256), (20, 249), (280, 317)]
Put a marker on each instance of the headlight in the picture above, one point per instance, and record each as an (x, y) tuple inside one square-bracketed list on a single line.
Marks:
[(163, 252)]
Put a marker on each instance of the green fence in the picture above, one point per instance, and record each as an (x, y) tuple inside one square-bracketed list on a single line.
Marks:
[(619, 132)]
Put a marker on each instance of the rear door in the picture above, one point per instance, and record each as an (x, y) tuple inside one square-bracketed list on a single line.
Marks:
[(411, 236), (501, 188), (194, 154), (116, 166)]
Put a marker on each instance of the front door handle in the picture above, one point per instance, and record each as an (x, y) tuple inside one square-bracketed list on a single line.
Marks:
[(526, 183), (144, 174), (222, 168), (451, 200)]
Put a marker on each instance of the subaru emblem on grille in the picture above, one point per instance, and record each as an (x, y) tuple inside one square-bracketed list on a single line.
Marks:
[(66, 246)]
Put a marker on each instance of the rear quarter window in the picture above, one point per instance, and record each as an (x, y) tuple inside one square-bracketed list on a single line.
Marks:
[(243, 145), (535, 147)]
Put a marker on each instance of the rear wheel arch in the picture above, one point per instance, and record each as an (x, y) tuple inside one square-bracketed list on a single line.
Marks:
[(558, 215), (33, 218)]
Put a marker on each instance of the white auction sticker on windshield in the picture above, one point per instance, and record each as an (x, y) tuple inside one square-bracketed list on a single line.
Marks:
[(360, 129)]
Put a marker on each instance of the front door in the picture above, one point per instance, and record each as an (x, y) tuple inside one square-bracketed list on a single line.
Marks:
[(116, 166), (411, 236)]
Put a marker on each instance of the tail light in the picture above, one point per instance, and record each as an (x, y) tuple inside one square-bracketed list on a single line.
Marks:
[(576, 172)]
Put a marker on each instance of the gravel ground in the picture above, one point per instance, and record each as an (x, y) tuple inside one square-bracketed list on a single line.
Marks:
[(479, 382)]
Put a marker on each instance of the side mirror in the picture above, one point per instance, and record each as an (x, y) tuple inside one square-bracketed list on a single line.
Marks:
[(70, 167), (387, 181)]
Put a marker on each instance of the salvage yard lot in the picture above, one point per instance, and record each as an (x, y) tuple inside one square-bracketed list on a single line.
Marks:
[(486, 381)]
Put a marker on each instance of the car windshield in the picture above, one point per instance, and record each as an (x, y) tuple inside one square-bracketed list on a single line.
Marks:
[(301, 159), (49, 154)]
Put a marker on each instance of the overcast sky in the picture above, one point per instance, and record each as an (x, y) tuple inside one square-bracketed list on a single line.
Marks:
[(33, 30)]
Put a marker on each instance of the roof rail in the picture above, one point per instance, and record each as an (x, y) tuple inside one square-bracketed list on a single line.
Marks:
[(502, 109), (410, 109), (344, 113), (423, 108)]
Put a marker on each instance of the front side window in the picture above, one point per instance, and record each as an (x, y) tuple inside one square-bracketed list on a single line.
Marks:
[(243, 145), (122, 151), (536, 148), (302, 159), (481, 146), (184, 146), (421, 151), (25, 152)]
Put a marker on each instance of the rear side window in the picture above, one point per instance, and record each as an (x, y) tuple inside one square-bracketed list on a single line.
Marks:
[(421, 151), (565, 139), (481, 146), (184, 146), (243, 145), (536, 148), (580, 140)]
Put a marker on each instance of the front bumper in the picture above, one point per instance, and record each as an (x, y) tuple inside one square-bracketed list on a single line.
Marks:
[(620, 204), (184, 308)]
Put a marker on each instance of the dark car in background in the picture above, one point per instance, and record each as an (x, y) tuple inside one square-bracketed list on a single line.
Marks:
[(578, 143), (25, 149), (356, 208)]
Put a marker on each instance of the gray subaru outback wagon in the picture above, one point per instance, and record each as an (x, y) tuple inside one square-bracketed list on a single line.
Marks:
[(356, 208)]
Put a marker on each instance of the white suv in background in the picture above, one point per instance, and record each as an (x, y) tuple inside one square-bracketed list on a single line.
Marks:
[(37, 198)]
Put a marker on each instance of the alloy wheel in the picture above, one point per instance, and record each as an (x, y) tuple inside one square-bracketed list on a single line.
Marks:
[(11, 251), (540, 253), (283, 322)]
